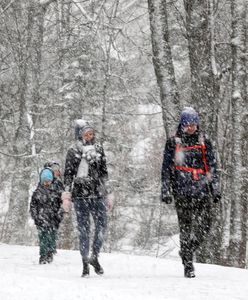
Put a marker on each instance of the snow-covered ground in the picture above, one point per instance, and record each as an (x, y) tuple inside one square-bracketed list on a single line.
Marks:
[(127, 277)]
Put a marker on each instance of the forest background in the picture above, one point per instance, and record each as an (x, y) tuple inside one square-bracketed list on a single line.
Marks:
[(129, 67)]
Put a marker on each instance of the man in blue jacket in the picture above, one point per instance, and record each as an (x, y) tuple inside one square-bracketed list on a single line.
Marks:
[(189, 177)]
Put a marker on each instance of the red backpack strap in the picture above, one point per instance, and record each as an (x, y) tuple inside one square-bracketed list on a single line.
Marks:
[(204, 152)]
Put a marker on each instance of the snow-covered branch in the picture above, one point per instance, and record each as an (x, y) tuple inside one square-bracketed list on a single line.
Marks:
[(8, 5), (45, 3)]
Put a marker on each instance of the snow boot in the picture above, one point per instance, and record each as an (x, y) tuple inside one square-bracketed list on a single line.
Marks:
[(86, 268), (189, 270), (49, 257), (42, 260), (95, 263)]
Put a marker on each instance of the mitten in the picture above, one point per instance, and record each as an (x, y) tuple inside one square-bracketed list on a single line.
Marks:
[(217, 198), (66, 196), (38, 223), (66, 201), (110, 201), (166, 198)]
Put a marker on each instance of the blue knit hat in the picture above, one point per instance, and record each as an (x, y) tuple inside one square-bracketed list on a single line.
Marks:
[(46, 175), (189, 116)]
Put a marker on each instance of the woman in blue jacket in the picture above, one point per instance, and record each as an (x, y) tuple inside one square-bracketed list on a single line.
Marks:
[(86, 177)]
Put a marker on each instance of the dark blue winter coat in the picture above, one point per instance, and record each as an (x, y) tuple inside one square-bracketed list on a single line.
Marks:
[(181, 183), (45, 206)]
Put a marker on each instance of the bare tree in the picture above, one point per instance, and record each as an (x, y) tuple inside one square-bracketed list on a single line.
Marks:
[(162, 60), (28, 19), (237, 246), (201, 44), (16, 217)]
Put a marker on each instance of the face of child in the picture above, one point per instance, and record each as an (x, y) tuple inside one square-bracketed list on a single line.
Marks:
[(88, 135), (190, 129), (47, 183)]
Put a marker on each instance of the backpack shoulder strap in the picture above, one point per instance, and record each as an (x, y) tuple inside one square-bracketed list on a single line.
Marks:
[(201, 138), (178, 140)]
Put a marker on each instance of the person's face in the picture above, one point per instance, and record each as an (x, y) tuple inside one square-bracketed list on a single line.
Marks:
[(47, 183), (56, 171), (190, 129), (88, 135)]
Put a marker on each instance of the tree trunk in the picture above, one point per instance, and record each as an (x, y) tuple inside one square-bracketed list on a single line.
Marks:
[(237, 246), (200, 35), (163, 64), (67, 232), (16, 218)]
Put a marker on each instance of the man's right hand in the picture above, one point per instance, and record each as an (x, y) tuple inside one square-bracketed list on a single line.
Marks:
[(166, 198)]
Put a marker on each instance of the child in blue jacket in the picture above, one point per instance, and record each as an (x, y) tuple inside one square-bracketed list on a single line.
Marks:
[(47, 213)]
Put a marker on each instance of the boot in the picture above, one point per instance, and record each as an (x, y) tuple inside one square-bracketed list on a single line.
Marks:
[(95, 263), (189, 270), (42, 260), (49, 257), (86, 269)]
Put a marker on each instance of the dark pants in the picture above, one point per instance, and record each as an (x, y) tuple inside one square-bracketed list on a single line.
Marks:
[(194, 218), (47, 240), (84, 208)]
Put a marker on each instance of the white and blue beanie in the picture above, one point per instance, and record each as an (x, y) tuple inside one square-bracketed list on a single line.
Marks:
[(189, 116)]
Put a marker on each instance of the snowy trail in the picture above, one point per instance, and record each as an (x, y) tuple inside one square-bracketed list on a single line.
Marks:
[(127, 277)]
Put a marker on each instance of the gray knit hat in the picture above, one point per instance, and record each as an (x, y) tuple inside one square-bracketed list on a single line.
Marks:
[(82, 126)]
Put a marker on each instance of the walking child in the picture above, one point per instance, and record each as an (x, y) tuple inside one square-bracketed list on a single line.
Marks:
[(66, 201), (47, 213)]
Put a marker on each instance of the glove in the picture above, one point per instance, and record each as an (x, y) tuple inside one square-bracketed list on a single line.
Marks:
[(217, 198), (166, 198), (110, 201), (38, 223), (66, 196), (215, 192), (66, 201)]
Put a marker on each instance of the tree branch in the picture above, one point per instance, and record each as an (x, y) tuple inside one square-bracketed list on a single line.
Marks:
[(8, 5), (14, 155), (45, 3)]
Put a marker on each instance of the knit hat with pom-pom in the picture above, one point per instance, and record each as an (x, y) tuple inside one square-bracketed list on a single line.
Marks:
[(189, 116)]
